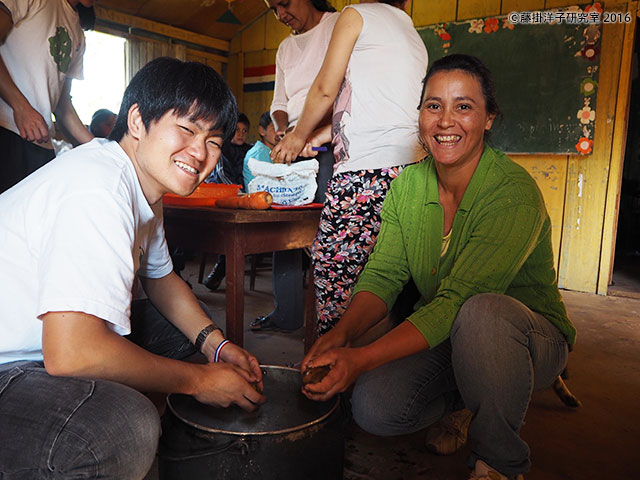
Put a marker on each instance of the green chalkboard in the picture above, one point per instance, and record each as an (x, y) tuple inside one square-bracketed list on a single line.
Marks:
[(546, 77)]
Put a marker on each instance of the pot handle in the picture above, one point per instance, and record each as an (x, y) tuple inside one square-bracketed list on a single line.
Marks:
[(242, 446)]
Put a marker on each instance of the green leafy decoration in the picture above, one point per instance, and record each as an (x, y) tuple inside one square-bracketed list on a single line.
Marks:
[(60, 48)]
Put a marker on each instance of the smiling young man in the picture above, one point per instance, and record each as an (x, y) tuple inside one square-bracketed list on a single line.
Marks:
[(75, 352)]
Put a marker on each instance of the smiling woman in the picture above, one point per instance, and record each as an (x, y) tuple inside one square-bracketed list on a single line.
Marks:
[(470, 228)]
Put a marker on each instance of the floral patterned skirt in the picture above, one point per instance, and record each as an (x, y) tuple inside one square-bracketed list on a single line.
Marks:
[(348, 231)]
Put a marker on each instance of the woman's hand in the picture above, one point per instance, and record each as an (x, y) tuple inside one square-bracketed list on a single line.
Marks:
[(319, 137), (238, 356), (332, 339), (347, 364), (288, 149)]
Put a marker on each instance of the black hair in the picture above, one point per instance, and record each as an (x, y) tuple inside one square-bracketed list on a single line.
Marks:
[(474, 67), (185, 88), (322, 6), (98, 117), (87, 16), (265, 120), (242, 118)]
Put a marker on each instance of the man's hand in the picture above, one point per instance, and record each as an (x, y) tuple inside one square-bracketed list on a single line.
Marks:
[(223, 384), (242, 359), (31, 124)]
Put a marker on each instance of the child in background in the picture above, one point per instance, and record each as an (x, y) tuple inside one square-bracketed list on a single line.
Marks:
[(262, 148)]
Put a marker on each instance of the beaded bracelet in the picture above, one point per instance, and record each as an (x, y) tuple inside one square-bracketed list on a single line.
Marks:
[(216, 357)]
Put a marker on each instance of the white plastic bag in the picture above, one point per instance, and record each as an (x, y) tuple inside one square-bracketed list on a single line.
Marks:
[(293, 184)]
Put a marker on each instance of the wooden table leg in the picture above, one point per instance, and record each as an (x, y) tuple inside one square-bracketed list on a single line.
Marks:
[(234, 294)]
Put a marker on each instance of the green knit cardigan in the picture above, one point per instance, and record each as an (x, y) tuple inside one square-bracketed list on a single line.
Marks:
[(500, 243)]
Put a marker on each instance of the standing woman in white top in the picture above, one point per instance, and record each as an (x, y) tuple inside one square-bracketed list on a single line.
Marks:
[(298, 62), (373, 71)]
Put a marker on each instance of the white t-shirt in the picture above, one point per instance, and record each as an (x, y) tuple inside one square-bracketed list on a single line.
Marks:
[(298, 62), (44, 46), (375, 115), (73, 235)]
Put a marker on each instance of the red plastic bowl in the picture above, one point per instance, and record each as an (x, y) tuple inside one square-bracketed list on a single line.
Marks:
[(203, 196)]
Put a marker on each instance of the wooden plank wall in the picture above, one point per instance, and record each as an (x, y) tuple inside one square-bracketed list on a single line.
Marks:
[(581, 193)]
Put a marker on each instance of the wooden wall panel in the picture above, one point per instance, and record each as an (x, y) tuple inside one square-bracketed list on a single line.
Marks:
[(588, 177), (550, 173), (256, 103), (235, 45), (197, 56), (275, 32), (617, 154), (477, 8), (429, 13), (558, 3), (253, 37), (509, 6), (340, 4), (234, 76)]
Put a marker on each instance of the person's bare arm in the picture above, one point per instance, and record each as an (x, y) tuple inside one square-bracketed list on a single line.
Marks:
[(318, 138), (68, 117), (76, 344), (325, 87), (280, 122), (347, 364), (175, 300), (30, 123)]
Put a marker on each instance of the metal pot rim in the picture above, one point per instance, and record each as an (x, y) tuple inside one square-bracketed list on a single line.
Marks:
[(244, 434)]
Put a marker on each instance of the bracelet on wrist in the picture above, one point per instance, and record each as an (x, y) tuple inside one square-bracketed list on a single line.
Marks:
[(204, 333), (216, 357)]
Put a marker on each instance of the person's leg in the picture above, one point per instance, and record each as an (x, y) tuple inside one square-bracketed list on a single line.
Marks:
[(349, 226), (153, 332), (501, 353), (19, 158), (60, 427), (325, 172), (288, 313), (406, 395), (217, 274)]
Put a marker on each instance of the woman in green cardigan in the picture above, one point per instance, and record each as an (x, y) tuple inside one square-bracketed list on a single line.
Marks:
[(470, 227)]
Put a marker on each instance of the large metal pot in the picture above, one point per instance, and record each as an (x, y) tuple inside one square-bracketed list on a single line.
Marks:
[(288, 438)]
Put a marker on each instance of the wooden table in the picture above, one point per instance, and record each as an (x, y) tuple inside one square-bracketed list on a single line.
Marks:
[(237, 233)]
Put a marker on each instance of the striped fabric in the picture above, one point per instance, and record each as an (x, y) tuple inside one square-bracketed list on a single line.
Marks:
[(259, 79)]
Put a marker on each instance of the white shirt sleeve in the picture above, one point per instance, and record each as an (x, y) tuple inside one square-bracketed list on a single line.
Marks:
[(157, 261), (19, 9), (280, 99)]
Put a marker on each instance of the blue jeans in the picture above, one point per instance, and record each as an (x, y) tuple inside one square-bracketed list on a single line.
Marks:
[(60, 427), (499, 352)]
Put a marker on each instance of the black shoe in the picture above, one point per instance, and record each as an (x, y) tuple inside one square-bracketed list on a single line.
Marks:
[(263, 324), (214, 279)]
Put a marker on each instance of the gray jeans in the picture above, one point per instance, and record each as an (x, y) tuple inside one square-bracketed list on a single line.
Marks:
[(499, 352), (63, 428)]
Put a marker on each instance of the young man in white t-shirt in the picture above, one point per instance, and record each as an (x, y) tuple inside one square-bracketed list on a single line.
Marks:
[(76, 234)]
